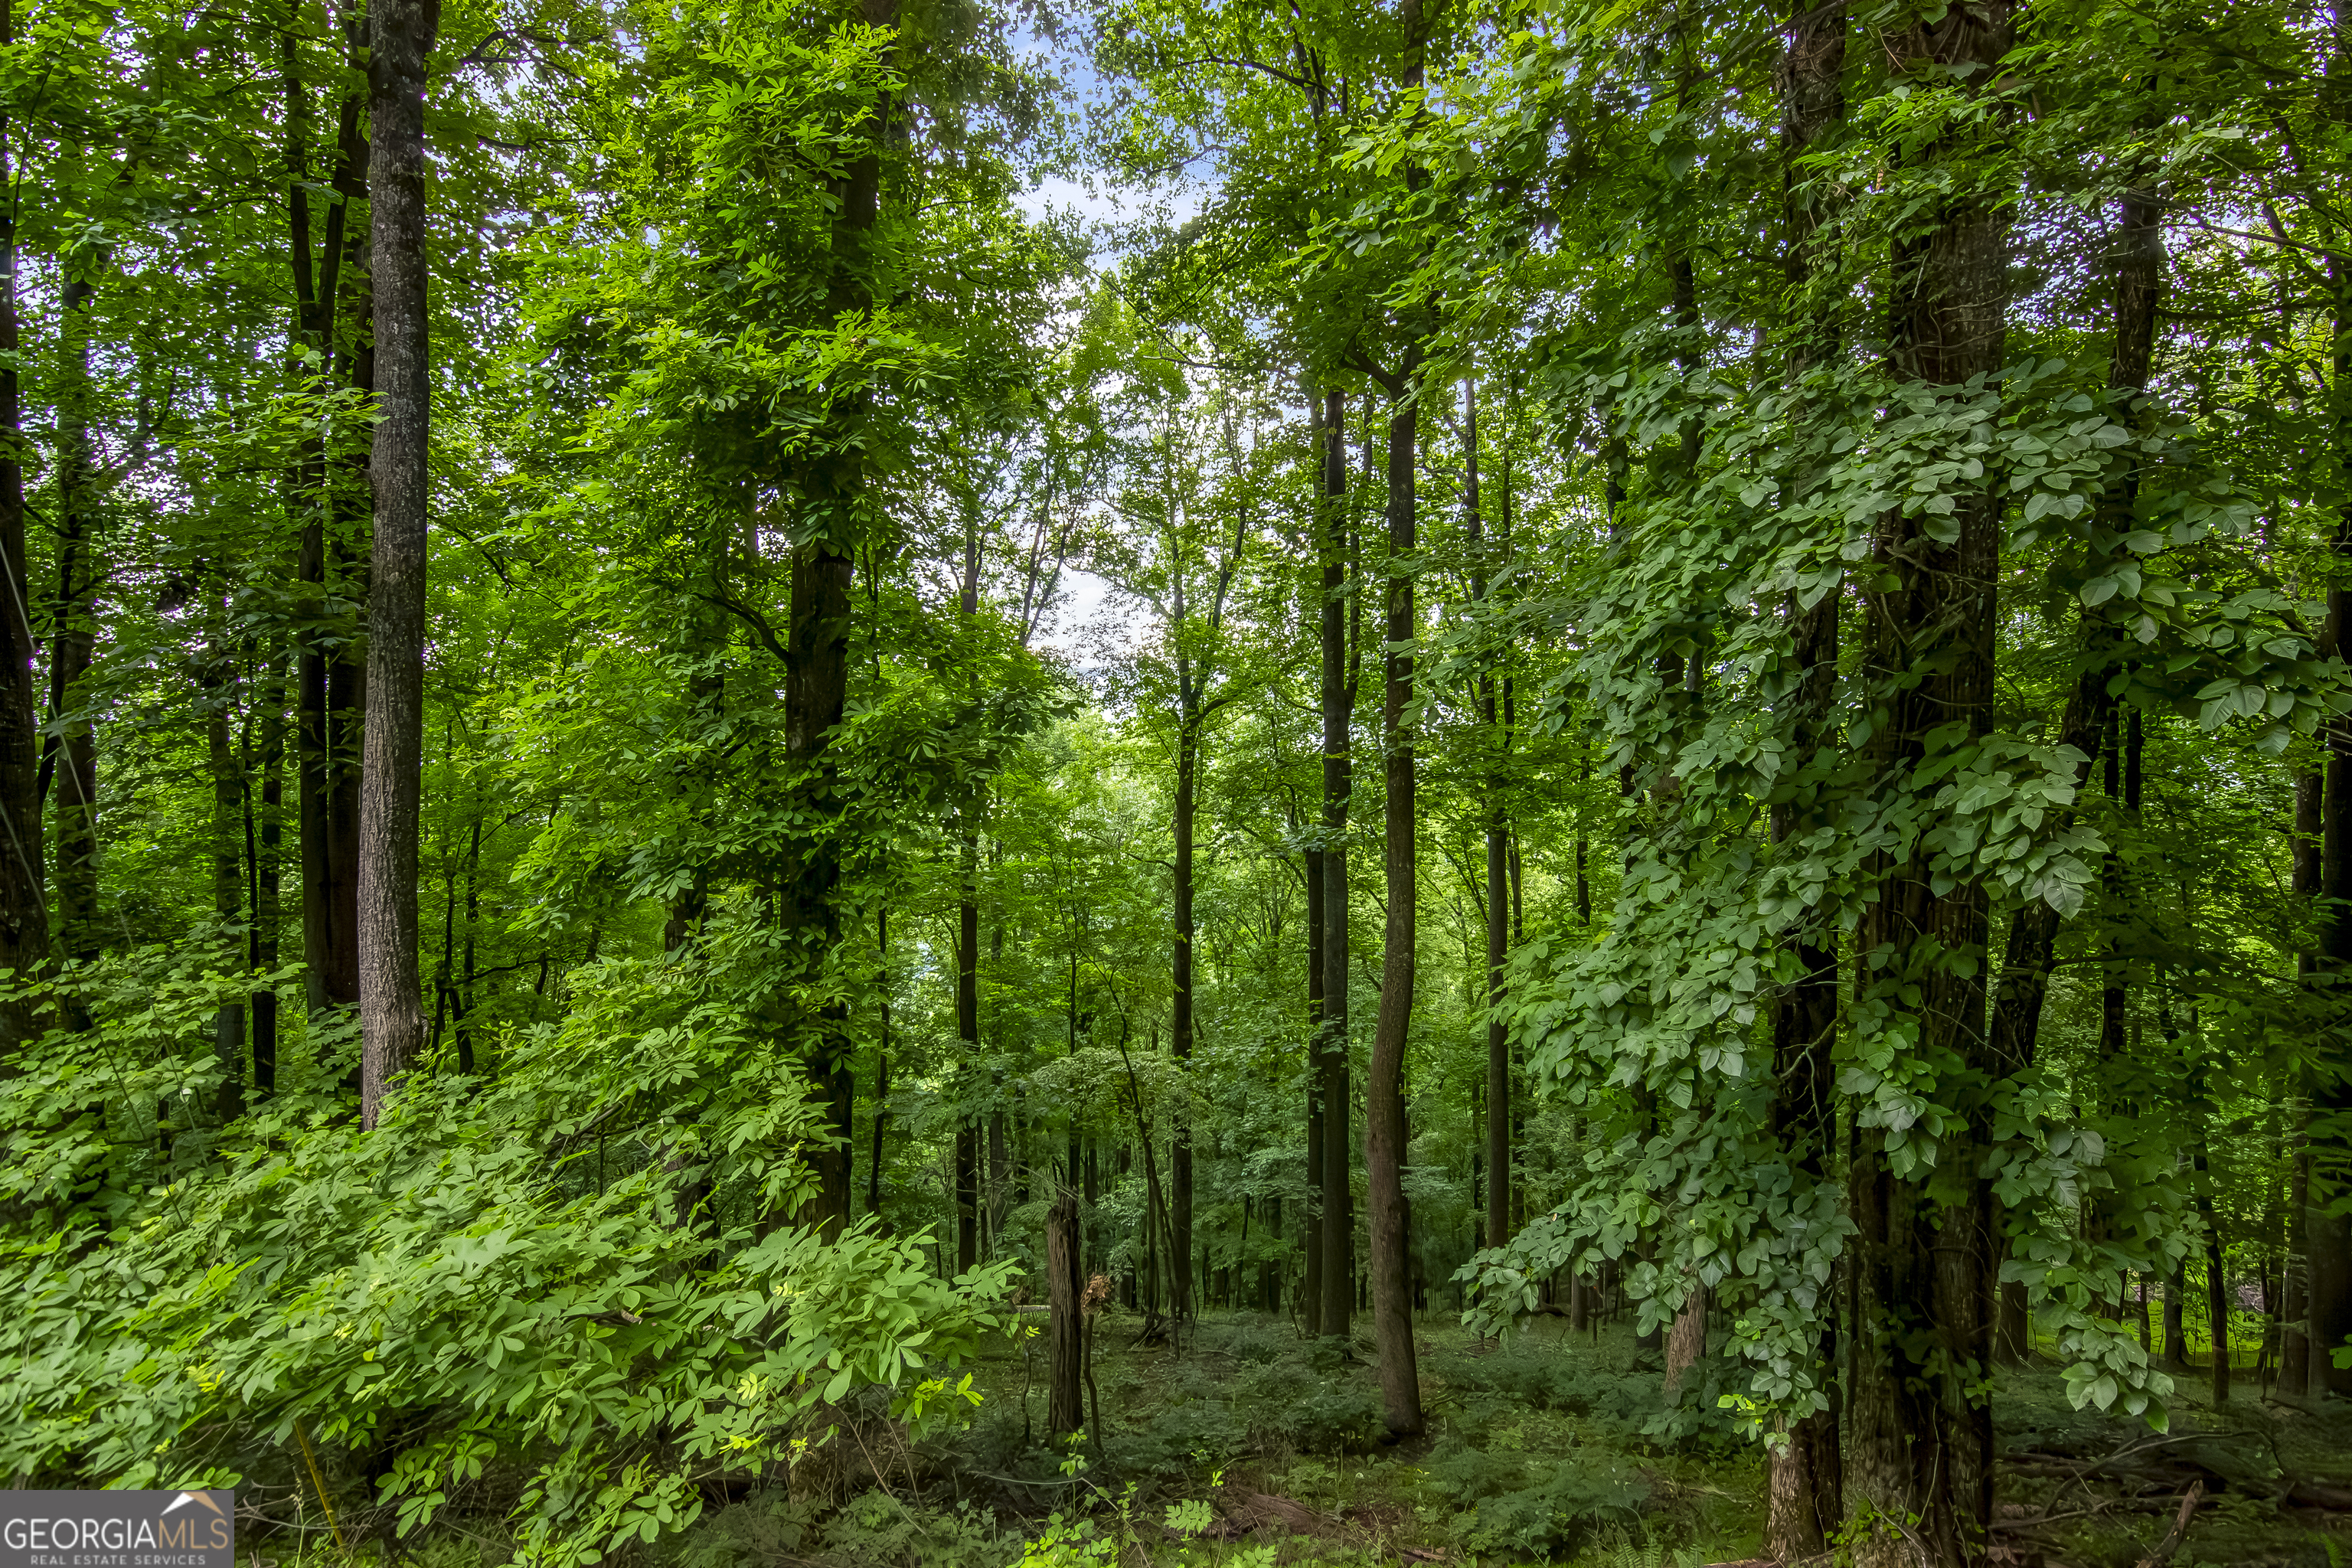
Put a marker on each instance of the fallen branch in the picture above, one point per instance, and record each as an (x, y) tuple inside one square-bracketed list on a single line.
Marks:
[(2180, 1530)]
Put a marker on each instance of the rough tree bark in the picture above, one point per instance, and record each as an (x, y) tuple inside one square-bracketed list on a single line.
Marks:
[(391, 1012), (1064, 1292), (1918, 1453)]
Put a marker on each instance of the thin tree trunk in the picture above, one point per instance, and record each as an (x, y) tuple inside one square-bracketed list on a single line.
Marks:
[(1499, 842), (225, 840), (268, 909), (2328, 1234), (967, 1144), (1384, 1128), (2294, 1349), (1310, 1298), (391, 1014), (79, 571), (24, 910), (1337, 1241), (1180, 1158), (1804, 1503), (2217, 1281), (882, 1068)]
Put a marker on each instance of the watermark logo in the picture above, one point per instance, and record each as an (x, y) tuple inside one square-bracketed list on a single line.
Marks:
[(118, 1529)]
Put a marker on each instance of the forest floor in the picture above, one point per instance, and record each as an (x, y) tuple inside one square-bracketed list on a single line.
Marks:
[(1250, 1448)]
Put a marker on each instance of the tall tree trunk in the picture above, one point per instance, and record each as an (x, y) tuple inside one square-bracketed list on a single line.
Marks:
[(1918, 1475), (1310, 1298), (1384, 1128), (1180, 1158), (225, 839), (24, 910), (1338, 702), (1498, 843), (882, 1068), (2328, 1235), (267, 872), (329, 682), (967, 997), (1804, 1502), (2217, 1280), (73, 618), (1065, 1290), (391, 1013), (2294, 1306)]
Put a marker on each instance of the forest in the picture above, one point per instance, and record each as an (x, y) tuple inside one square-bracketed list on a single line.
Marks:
[(795, 784)]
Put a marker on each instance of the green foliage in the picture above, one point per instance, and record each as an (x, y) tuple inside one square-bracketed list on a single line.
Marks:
[(586, 1275)]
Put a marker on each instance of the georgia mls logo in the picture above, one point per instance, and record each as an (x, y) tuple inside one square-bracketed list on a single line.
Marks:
[(118, 1529)]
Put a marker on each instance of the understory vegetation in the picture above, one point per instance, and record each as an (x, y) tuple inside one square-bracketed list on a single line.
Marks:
[(837, 782)]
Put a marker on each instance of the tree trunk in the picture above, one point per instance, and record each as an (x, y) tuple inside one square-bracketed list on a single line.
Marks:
[(391, 1014), (226, 842), (1803, 1497), (967, 1144), (2217, 1281), (1338, 702), (79, 571), (330, 683), (1310, 1298), (268, 911), (2328, 1235), (1499, 841), (24, 910), (2176, 1320), (1180, 1158), (1918, 1477), (1065, 1290), (882, 1068), (2294, 1347), (1384, 1131)]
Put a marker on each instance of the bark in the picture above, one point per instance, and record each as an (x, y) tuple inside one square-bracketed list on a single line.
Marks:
[(24, 910), (1803, 1498), (967, 1001), (226, 846), (74, 635), (331, 684), (2328, 1235), (1337, 1241), (2294, 1348), (2217, 1282), (1310, 1298), (1384, 1130), (1180, 1158), (1499, 841), (1065, 1290), (2176, 1325), (391, 1013), (882, 1068), (1685, 1341), (1918, 1475), (268, 909)]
